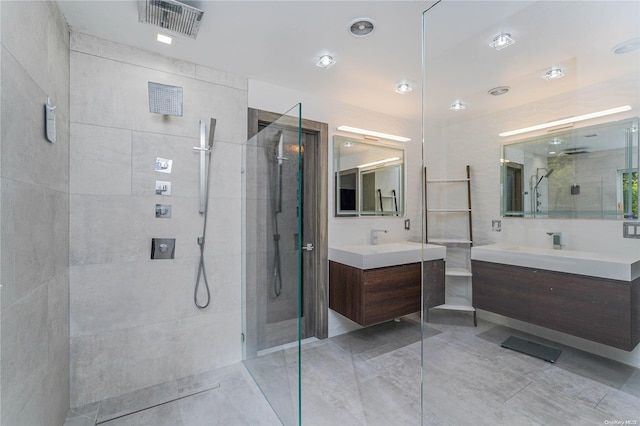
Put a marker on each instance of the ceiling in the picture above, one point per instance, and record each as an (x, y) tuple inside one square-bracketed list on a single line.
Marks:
[(279, 42)]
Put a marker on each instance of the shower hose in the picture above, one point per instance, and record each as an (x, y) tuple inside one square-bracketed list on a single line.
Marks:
[(202, 272)]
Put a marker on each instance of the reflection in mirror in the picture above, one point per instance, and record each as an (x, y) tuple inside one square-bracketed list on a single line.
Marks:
[(369, 178), (591, 172)]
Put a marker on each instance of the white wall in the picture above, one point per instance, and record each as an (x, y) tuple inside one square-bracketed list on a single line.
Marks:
[(348, 230), (133, 320), (34, 216)]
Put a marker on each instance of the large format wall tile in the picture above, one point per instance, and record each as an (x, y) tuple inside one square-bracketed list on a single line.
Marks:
[(120, 99), (26, 154), (113, 363), (101, 160)]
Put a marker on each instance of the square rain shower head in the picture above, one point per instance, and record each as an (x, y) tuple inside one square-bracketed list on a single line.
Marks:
[(171, 15), (164, 99)]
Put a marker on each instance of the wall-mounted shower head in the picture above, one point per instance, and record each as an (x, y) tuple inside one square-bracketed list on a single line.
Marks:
[(164, 99), (171, 15)]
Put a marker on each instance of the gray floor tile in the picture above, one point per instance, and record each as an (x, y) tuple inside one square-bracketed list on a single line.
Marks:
[(163, 415), (632, 385), (135, 401)]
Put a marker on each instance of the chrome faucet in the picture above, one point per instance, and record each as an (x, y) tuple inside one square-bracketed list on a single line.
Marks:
[(374, 235), (557, 240)]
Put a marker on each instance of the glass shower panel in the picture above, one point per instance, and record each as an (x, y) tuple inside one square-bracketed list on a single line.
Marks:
[(496, 72), (272, 221)]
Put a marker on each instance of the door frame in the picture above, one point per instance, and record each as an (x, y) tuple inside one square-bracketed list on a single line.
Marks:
[(318, 321)]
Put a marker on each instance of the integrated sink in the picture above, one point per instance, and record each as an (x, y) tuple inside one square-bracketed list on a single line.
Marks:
[(603, 265), (382, 255)]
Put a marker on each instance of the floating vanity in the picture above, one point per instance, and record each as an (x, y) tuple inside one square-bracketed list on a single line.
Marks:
[(370, 284), (591, 295)]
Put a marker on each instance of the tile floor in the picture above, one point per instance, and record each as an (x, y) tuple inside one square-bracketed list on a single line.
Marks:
[(372, 377)]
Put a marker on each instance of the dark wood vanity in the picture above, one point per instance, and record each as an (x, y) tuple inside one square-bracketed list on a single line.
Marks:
[(603, 310), (372, 296)]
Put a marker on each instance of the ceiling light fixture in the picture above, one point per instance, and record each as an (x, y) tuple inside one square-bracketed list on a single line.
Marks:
[(164, 39), (347, 144), (326, 61), (403, 88), (556, 141), (457, 106), (373, 133), (500, 90), (375, 163), (566, 121), (627, 46), (553, 74), (501, 41)]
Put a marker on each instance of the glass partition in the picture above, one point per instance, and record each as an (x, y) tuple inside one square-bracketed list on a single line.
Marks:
[(272, 235), (552, 74)]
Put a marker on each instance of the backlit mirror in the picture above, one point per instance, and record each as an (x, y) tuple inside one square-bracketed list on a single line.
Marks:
[(369, 178), (590, 172)]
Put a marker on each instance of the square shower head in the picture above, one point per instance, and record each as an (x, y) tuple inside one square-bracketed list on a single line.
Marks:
[(171, 15), (164, 99)]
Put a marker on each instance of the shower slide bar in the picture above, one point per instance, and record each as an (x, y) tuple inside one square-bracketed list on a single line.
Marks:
[(204, 149)]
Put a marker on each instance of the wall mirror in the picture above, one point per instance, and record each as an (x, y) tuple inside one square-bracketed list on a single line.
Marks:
[(369, 178), (590, 172)]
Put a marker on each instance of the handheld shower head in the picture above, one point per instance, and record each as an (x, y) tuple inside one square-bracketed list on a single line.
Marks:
[(548, 173), (212, 131), (280, 147)]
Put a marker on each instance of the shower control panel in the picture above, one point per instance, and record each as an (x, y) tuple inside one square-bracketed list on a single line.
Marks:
[(163, 165), (163, 248), (163, 211), (163, 187)]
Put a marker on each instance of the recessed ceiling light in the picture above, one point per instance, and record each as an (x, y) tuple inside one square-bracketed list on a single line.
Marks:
[(553, 74), (457, 106), (501, 41), (627, 46), (556, 141), (347, 144), (403, 88), (361, 27), (326, 61), (500, 90), (164, 39)]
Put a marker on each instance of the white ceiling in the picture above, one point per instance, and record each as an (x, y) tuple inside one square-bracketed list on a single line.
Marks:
[(279, 42)]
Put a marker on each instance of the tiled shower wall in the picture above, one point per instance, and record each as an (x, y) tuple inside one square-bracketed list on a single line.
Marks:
[(34, 217), (133, 319)]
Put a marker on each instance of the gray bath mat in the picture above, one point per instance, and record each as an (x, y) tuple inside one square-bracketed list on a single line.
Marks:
[(547, 353)]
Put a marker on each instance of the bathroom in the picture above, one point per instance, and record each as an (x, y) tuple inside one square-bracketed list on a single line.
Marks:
[(86, 314)]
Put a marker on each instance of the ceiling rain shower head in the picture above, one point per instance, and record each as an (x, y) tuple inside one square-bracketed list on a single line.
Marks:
[(171, 15)]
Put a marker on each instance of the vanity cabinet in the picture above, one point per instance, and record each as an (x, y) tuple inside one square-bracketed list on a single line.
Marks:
[(372, 296), (598, 309)]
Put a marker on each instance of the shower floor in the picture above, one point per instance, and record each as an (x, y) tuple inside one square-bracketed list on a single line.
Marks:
[(372, 377)]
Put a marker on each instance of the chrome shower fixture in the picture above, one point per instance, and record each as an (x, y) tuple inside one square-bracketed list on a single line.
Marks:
[(171, 15), (164, 99)]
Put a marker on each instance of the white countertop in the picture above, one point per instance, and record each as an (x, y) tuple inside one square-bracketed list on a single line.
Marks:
[(381, 255), (603, 265)]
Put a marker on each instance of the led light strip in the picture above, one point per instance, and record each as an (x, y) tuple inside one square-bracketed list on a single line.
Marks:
[(375, 163), (566, 121), (373, 133)]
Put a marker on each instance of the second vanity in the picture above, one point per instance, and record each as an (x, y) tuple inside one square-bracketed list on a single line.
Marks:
[(370, 284), (595, 296)]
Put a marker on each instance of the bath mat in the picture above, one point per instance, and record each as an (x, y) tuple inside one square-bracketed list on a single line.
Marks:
[(547, 353)]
